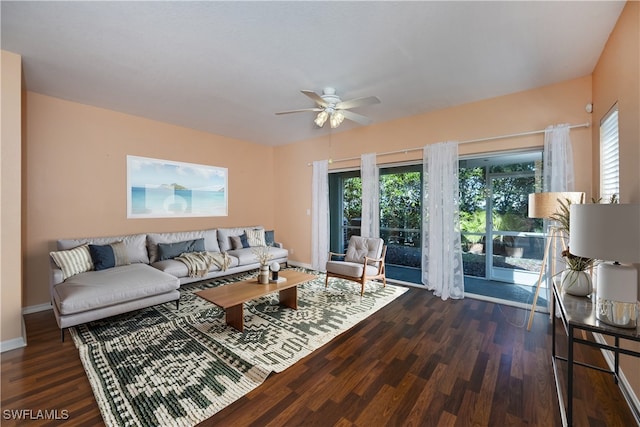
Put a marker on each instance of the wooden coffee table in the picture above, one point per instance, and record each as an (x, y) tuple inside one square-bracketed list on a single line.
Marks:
[(231, 297)]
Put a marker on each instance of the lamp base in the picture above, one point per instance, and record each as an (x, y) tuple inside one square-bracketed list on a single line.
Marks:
[(616, 313), (617, 296)]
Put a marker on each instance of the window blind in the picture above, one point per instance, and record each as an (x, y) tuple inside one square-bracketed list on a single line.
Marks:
[(609, 155)]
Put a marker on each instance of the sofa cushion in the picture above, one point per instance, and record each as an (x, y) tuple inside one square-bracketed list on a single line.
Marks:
[(172, 267), (224, 233), (209, 236), (97, 289), (135, 244), (247, 256), (278, 252), (179, 269), (172, 250), (73, 261), (108, 256)]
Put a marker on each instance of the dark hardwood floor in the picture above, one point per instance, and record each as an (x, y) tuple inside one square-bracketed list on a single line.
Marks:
[(417, 362)]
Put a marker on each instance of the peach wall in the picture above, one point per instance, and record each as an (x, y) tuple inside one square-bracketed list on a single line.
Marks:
[(519, 112), (617, 78), (76, 177), (11, 334), (67, 196)]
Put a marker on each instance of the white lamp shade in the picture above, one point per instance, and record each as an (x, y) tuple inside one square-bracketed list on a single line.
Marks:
[(543, 205), (609, 232)]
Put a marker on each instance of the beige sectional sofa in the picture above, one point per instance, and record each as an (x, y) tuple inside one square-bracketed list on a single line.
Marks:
[(97, 277)]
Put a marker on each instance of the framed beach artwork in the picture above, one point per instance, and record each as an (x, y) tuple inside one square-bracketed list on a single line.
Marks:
[(167, 189)]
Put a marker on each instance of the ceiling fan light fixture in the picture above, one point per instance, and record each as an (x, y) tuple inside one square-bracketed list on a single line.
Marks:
[(336, 119), (330, 107), (321, 118)]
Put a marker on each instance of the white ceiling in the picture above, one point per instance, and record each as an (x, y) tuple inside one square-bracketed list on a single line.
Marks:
[(227, 67)]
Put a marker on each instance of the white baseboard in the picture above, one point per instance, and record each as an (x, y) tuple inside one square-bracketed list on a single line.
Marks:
[(20, 342), (15, 343), (403, 283), (36, 308), (12, 344), (629, 395), (300, 264)]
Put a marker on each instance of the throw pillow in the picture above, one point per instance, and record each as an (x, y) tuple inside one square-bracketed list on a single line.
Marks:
[(236, 243), (102, 256), (244, 240), (73, 261), (120, 253), (270, 238), (172, 250), (109, 256), (256, 237)]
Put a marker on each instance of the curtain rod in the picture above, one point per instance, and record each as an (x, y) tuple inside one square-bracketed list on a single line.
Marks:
[(490, 138)]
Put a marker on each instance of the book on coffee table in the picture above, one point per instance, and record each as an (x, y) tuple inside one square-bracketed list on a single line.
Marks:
[(278, 280)]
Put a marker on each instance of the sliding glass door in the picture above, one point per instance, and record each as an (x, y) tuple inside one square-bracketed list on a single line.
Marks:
[(401, 220), (345, 208), (400, 216), (500, 242)]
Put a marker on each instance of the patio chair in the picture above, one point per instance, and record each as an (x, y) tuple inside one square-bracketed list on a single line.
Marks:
[(363, 261)]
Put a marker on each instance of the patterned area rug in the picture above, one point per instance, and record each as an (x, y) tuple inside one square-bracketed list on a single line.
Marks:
[(163, 366)]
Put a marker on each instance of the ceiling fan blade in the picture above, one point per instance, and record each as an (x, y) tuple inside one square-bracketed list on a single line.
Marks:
[(358, 118), (299, 111), (357, 102), (316, 98)]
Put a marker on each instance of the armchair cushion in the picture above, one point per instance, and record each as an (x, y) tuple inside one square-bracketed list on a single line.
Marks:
[(351, 269), (361, 247)]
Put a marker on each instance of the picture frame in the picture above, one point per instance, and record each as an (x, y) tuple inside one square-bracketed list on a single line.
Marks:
[(169, 189)]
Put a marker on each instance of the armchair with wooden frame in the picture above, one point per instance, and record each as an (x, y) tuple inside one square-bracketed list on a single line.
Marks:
[(363, 261)]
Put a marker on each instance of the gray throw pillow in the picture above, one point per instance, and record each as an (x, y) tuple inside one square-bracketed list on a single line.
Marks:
[(172, 250), (236, 243)]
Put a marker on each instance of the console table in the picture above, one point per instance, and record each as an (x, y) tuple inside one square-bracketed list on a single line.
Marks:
[(578, 314)]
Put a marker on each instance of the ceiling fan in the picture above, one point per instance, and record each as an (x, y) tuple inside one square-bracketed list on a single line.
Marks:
[(330, 106)]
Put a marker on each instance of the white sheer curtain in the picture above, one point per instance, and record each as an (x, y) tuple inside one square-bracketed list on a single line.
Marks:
[(370, 225), (320, 215), (558, 159), (558, 176), (441, 249)]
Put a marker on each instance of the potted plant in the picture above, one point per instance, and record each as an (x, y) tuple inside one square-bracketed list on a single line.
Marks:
[(574, 280)]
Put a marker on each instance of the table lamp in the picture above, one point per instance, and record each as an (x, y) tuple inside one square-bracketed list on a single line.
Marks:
[(611, 233), (545, 205), (274, 267)]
